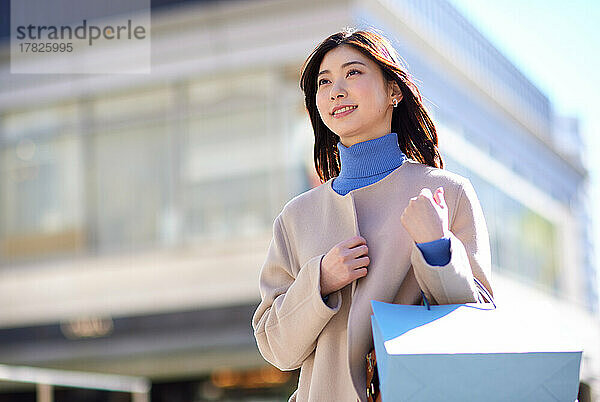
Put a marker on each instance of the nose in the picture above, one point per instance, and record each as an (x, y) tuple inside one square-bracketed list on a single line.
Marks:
[(337, 92)]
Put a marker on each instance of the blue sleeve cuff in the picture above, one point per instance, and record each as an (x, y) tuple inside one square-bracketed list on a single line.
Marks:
[(436, 252)]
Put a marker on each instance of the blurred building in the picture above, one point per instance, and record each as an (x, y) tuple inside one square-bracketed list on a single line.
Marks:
[(136, 210)]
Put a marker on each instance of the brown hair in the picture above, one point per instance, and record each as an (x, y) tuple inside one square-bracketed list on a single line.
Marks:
[(417, 136)]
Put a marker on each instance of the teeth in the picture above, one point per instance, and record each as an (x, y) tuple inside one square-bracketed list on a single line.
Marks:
[(342, 110)]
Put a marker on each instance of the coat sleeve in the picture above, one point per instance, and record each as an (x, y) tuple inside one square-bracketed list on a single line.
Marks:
[(292, 313), (469, 255)]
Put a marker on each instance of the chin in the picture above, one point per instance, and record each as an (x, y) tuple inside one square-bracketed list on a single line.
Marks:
[(345, 138), (347, 132), (343, 130)]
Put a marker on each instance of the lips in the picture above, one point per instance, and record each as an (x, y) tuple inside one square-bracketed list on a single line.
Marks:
[(343, 110)]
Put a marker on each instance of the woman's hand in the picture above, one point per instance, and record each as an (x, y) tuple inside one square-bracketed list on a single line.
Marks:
[(426, 216), (345, 262)]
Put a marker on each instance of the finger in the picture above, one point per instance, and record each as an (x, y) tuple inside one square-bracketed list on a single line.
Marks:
[(354, 241), (359, 273), (359, 251), (436, 196), (360, 262), (439, 197)]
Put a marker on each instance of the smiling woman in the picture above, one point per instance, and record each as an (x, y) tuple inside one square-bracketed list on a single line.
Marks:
[(342, 84), (383, 184), (364, 66)]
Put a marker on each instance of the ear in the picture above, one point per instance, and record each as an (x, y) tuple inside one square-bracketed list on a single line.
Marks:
[(395, 90)]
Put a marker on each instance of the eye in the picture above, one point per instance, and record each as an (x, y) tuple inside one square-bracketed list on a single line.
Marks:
[(321, 80), (347, 74)]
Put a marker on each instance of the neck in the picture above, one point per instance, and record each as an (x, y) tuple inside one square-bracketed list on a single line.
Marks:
[(371, 157)]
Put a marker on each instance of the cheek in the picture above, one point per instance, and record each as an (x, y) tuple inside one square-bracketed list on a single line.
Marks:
[(369, 91)]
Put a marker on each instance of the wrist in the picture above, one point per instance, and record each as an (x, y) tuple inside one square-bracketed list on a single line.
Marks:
[(428, 239)]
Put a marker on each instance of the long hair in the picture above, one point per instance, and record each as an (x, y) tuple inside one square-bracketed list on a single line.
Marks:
[(417, 136)]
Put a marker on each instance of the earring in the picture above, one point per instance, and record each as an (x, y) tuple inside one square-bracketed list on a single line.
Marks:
[(395, 102)]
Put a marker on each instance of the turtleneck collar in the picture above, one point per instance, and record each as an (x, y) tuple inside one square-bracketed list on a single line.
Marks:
[(369, 158)]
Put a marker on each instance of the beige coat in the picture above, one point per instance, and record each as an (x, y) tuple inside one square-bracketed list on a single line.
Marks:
[(328, 341)]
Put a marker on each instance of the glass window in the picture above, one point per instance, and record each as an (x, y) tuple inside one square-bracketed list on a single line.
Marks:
[(129, 186), (41, 210), (227, 160), (231, 88), (522, 241), (41, 122), (227, 207), (232, 166), (220, 159), (125, 106)]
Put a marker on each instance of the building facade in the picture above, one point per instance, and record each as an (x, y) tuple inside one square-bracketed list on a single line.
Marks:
[(136, 210)]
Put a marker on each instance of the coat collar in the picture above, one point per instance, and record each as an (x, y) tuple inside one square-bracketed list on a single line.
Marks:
[(381, 183)]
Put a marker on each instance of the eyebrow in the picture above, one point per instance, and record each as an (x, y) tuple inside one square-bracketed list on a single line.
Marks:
[(343, 65)]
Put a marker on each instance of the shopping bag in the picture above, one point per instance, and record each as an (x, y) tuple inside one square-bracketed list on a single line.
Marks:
[(468, 352)]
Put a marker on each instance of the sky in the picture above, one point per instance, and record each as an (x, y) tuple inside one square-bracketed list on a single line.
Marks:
[(556, 44)]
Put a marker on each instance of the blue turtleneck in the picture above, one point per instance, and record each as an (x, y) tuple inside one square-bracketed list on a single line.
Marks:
[(366, 162), (369, 161)]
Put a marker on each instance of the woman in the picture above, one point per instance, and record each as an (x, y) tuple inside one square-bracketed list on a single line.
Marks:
[(387, 223)]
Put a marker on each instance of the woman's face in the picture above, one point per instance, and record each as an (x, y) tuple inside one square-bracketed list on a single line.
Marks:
[(347, 77)]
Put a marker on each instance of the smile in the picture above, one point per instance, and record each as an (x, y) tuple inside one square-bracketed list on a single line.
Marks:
[(344, 111)]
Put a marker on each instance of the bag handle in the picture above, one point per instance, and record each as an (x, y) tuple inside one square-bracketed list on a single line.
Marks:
[(482, 292)]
